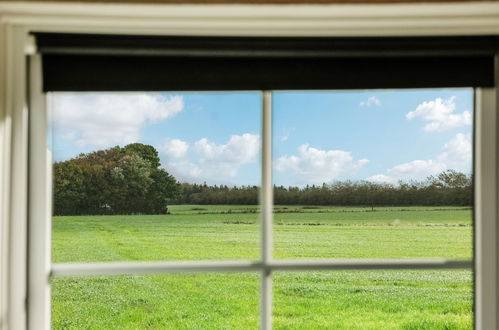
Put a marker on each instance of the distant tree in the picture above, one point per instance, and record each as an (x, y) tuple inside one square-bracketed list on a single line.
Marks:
[(450, 179), (163, 188), (113, 181), (447, 188), (68, 188), (144, 151), (129, 180), (453, 188), (130, 183)]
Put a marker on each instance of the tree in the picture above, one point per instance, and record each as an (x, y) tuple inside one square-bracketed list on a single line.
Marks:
[(450, 179), (447, 188), (163, 187), (68, 188), (131, 180), (144, 151), (113, 181)]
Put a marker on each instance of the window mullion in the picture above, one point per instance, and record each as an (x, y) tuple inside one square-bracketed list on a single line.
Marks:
[(39, 211), (267, 208), (486, 212)]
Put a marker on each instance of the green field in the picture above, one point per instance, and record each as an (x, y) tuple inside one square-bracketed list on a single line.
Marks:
[(302, 300)]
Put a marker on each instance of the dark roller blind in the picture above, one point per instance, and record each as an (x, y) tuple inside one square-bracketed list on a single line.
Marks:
[(78, 62)]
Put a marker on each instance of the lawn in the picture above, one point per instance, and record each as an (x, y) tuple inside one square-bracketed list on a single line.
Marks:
[(348, 300)]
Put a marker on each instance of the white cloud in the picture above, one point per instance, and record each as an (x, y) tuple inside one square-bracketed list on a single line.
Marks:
[(240, 149), (371, 101), (439, 114), (457, 152), (314, 166), (456, 155), (381, 178), (106, 119), (417, 169), (216, 163), (185, 171), (286, 134), (174, 148)]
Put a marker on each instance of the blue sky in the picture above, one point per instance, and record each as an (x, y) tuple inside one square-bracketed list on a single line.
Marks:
[(376, 135)]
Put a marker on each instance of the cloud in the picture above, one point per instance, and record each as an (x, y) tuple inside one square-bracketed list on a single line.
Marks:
[(381, 178), (315, 166), (214, 162), (457, 152), (456, 155), (106, 119), (371, 101), (185, 171), (240, 149), (417, 169), (439, 114), (174, 148), (286, 134)]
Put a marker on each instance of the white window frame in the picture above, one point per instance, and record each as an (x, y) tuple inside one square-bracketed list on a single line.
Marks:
[(25, 228)]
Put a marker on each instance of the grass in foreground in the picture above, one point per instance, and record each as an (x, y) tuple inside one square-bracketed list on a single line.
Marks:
[(332, 300), (348, 300)]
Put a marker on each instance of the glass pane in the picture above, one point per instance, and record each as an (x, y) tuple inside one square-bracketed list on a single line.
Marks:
[(155, 176), (406, 299), (202, 301), (373, 174)]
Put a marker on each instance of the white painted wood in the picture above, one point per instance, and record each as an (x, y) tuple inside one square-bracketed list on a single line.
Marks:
[(267, 205), (18, 18), (17, 179), (4, 173), (40, 211), (266, 299), (154, 267), (345, 20), (267, 195), (486, 209), (369, 264)]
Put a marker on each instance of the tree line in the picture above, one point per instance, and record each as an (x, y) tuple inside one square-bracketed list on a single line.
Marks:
[(117, 180), (129, 180), (447, 188)]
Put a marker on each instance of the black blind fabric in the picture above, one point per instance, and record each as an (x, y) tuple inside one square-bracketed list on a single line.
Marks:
[(76, 62)]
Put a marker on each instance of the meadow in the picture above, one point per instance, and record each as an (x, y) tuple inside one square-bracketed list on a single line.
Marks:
[(408, 299)]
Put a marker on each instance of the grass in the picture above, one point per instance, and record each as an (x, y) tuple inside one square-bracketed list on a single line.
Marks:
[(340, 300)]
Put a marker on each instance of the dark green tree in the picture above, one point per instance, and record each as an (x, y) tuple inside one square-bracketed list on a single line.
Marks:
[(130, 183), (68, 188), (144, 151), (163, 188), (113, 181)]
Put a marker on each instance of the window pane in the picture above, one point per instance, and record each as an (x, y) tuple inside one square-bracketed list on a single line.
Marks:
[(373, 174), (155, 176), (406, 299), (156, 302)]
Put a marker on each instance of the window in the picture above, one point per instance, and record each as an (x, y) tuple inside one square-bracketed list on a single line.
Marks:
[(308, 233), (486, 236), (65, 71)]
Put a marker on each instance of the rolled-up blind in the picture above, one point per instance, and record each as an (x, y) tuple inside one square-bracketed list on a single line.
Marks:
[(82, 62)]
